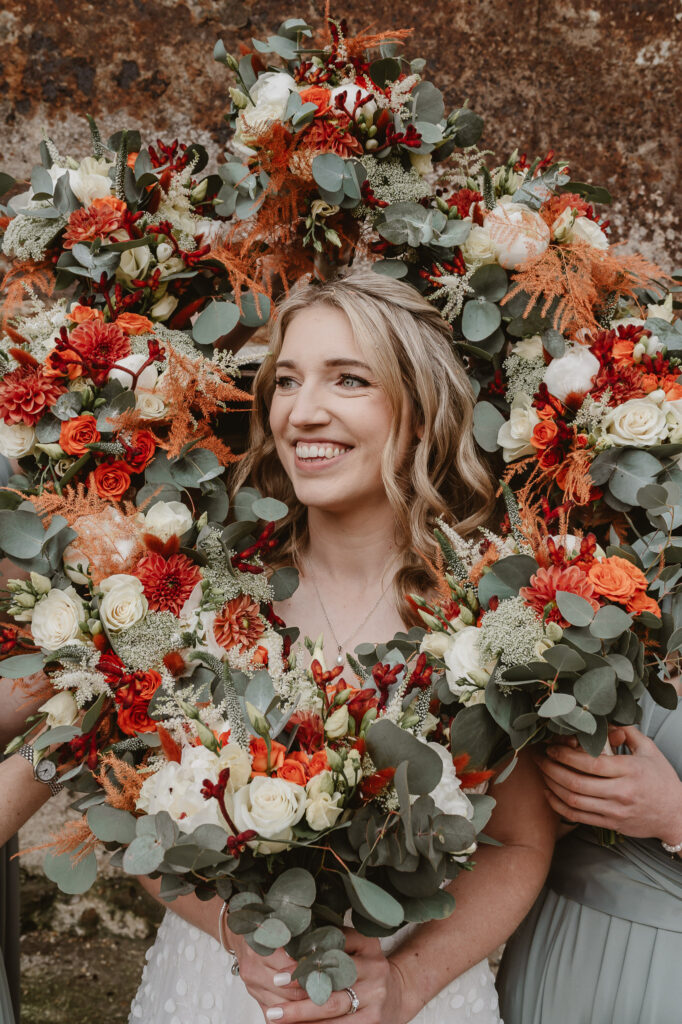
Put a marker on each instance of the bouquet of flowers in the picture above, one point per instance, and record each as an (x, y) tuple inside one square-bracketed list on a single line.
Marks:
[(548, 634), (120, 406)]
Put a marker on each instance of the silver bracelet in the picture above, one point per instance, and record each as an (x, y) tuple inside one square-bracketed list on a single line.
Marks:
[(222, 918), (672, 849)]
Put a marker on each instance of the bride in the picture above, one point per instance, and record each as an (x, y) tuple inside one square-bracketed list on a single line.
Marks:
[(362, 423)]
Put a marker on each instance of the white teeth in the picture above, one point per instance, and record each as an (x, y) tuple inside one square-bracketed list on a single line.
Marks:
[(314, 451)]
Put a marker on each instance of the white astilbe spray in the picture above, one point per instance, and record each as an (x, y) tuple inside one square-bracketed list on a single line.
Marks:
[(452, 291), (85, 684)]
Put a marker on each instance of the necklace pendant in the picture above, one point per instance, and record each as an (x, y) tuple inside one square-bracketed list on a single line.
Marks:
[(339, 657)]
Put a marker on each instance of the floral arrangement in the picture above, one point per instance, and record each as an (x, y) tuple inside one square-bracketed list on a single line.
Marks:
[(204, 751), (548, 634)]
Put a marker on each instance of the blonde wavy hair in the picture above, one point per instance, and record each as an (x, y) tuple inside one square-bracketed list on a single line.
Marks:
[(409, 347)]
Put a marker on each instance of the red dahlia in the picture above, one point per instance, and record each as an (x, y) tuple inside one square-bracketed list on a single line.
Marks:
[(26, 393), (167, 582), (100, 346)]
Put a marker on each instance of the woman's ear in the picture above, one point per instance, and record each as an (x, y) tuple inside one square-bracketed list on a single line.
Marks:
[(419, 431)]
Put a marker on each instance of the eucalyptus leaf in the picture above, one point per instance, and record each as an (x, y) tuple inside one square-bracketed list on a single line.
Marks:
[(557, 704), (372, 901), (73, 877), (487, 423), (216, 320), (575, 609), (610, 622), (111, 824), (479, 319)]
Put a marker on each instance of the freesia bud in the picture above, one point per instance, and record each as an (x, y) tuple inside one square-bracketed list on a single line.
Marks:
[(238, 98)]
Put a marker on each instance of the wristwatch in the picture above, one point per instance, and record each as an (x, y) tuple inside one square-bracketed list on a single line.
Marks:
[(44, 771)]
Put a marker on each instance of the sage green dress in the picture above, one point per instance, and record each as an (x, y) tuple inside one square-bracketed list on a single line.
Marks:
[(603, 942)]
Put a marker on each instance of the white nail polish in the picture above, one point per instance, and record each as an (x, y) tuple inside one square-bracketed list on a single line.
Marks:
[(281, 979), (274, 1013)]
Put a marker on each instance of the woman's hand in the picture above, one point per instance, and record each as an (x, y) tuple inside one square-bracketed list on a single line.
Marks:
[(378, 987), (267, 979), (637, 794)]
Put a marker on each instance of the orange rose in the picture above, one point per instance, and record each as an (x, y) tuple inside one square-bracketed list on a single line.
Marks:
[(548, 413), (76, 434), (616, 579), (672, 389), (622, 352), (640, 602), (318, 763), (319, 96), (293, 771), (133, 323), (544, 434), (260, 656), (80, 314), (260, 763), (135, 719), (111, 480)]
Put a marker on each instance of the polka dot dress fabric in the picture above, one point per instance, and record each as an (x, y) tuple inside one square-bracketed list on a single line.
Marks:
[(187, 980)]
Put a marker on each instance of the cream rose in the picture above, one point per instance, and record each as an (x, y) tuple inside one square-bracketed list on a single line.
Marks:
[(123, 603), (134, 263), (465, 673), (91, 180), (16, 439), (235, 758), (271, 807), (517, 233), (163, 307), (640, 422), (435, 644), (176, 788), (322, 811), (323, 782), (168, 519), (60, 709), (56, 619), (514, 435), (585, 230), (478, 248), (572, 373)]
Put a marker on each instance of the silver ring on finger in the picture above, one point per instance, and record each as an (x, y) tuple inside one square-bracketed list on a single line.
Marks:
[(354, 1001)]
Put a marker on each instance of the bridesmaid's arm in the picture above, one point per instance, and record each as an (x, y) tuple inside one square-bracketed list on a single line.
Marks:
[(22, 795)]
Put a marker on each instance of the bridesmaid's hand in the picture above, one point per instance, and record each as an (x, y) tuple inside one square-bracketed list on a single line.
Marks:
[(637, 794), (378, 987)]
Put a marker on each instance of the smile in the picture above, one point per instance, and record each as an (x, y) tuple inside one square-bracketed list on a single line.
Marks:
[(319, 452)]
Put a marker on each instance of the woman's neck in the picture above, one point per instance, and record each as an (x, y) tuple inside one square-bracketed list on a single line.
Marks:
[(357, 545)]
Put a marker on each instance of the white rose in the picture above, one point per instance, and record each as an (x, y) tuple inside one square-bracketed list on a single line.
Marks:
[(518, 234), (145, 381), (571, 374), (465, 672), (322, 811), (639, 422), (528, 348), (323, 782), (91, 180), (235, 758), (16, 439), (163, 308), (176, 788), (164, 251), (168, 519), (337, 723), (61, 710), (435, 644), (478, 248), (585, 230), (353, 93), (56, 619), (134, 263), (271, 807), (448, 796), (270, 95), (514, 435), (123, 603)]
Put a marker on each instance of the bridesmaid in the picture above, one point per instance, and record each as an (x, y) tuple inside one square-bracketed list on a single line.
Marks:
[(604, 940)]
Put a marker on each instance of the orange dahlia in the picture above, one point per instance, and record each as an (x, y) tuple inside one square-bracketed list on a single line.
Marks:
[(98, 220), (100, 346), (167, 582), (545, 583), (26, 393), (333, 135), (239, 624)]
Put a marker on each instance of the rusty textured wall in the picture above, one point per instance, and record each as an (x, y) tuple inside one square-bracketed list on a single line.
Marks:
[(597, 80)]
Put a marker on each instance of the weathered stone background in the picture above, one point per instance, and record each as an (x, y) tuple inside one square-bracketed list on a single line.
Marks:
[(599, 82), (596, 80)]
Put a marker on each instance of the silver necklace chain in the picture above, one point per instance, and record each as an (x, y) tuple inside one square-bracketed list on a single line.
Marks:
[(341, 646)]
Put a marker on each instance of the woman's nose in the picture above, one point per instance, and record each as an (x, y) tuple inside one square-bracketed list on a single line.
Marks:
[(309, 407)]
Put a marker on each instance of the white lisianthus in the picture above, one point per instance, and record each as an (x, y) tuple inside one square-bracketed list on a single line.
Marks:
[(353, 93), (337, 723), (517, 233), (528, 348), (514, 435), (56, 619), (134, 264), (168, 519), (435, 644), (571, 374), (91, 180), (123, 603), (270, 95), (448, 796), (478, 248), (322, 811), (271, 807), (16, 439), (639, 423), (176, 788), (466, 674), (352, 768), (323, 782), (586, 230), (60, 709)]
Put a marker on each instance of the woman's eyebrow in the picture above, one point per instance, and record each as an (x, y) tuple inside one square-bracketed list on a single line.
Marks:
[(289, 364)]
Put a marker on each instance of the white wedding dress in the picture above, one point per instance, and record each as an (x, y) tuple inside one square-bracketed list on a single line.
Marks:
[(187, 980)]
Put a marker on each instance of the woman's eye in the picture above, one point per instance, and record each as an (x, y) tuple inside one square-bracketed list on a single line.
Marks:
[(349, 382), (284, 383)]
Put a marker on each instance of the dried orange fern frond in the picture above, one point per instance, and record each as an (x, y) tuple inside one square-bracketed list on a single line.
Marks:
[(242, 272), (72, 503)]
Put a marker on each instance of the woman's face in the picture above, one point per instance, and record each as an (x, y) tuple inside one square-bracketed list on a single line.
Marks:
[(330, 417)]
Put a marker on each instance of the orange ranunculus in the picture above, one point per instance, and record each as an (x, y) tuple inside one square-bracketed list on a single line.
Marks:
[(293, 771), (79, 314), (260, 764), (621, 352), (649, 382), (134, 323), (318, 763), (616, 579), (544, 434), (76, 434), (319, 96), (111, 480), (641, 602), (260, 656), (672, 389)]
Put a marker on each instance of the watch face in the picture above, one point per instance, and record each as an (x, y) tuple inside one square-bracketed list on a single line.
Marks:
[(46, 771)]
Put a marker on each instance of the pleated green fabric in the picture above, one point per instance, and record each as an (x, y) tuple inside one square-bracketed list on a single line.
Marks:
[(603, 942)]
